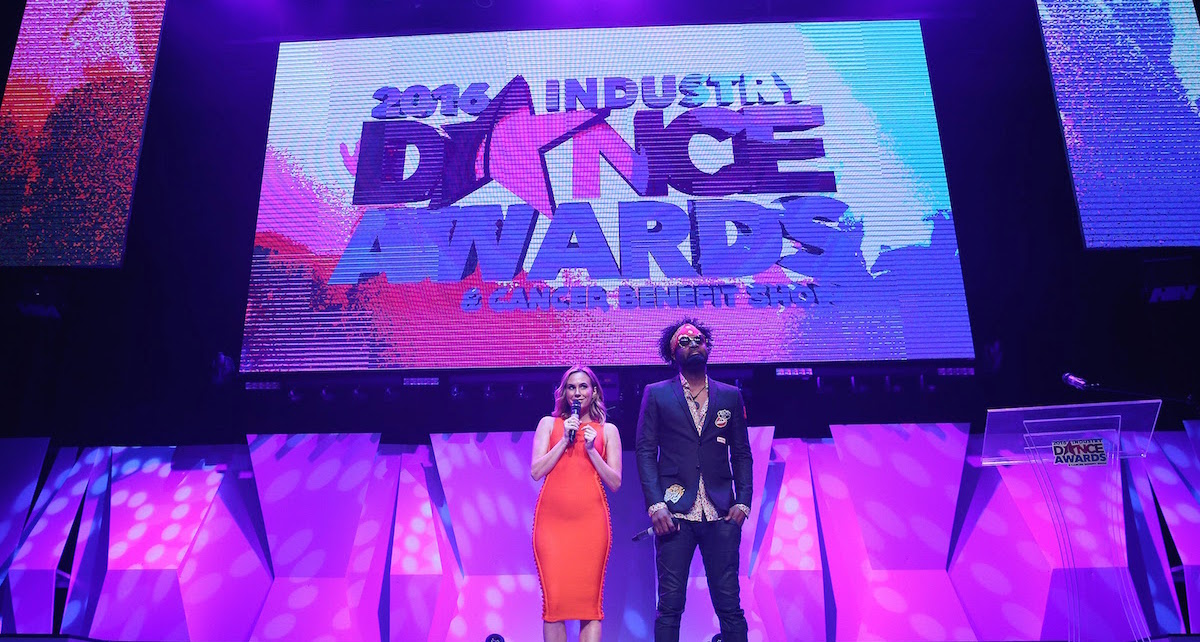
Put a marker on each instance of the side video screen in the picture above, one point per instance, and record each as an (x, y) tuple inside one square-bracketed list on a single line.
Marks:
[(1127, 80), (71, 124)]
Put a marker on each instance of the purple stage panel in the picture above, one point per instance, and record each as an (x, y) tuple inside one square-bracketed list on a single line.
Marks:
[(225, 576), (29, 596), (20, 464), (66, 464), (33, 574), (1192, 428), (1191, 578), (1000, 572), (309, 608), (1175, 478), (780, 599), (913, 605), (1148, 562), (313, 490), (421, 588), (792, 530), (789, 582), (452, 579), (140, 604), (415, 544), (490, 497), (90, 561), (373, 545), (903, 480), (845, 552), (419, 608), (878, 603), (154, 516), (63, 467), (183, 548), (1174, 464), (629, 583), (510, 605), (760, 447)]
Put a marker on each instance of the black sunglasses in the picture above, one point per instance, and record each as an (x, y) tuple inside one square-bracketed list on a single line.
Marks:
[(687, 342)]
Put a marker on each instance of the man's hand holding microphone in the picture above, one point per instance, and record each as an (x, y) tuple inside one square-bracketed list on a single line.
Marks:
[(663, 522)]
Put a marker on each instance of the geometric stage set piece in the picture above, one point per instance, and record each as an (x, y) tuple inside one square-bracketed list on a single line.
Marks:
[(884, 531)]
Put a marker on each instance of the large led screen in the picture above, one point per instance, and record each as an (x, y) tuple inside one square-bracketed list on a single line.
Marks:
[(546, 197), (71, 125), (1127, 78)]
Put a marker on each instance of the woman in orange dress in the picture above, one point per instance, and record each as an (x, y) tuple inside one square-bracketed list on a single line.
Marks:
[(572, 534)]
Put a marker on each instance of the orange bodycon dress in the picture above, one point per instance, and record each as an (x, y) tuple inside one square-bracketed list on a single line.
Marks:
[(572, 534)]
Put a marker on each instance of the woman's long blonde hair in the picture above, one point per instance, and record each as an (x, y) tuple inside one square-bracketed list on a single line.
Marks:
[(562, 407)]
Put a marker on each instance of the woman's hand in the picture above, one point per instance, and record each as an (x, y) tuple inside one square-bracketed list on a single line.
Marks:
[(589, 437), (570, 425)]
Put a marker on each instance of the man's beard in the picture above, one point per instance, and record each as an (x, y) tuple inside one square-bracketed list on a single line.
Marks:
[(695, 360)]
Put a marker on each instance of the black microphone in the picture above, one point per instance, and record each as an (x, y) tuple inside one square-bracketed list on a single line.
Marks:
[(575, 414), (1077, 382), (643, 534)]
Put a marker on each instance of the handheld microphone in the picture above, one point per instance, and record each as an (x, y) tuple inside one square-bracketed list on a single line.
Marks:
[(643, 534), (1076, 382), (575, 414)]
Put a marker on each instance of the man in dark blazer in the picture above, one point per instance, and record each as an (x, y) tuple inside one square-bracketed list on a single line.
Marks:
[(693, 455)]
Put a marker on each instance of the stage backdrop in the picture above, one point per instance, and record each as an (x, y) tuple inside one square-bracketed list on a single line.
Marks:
[(1127, 78), (537, 198), (71, 127)]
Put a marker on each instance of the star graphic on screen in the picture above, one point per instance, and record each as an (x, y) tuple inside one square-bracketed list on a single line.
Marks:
[(507, 143)]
